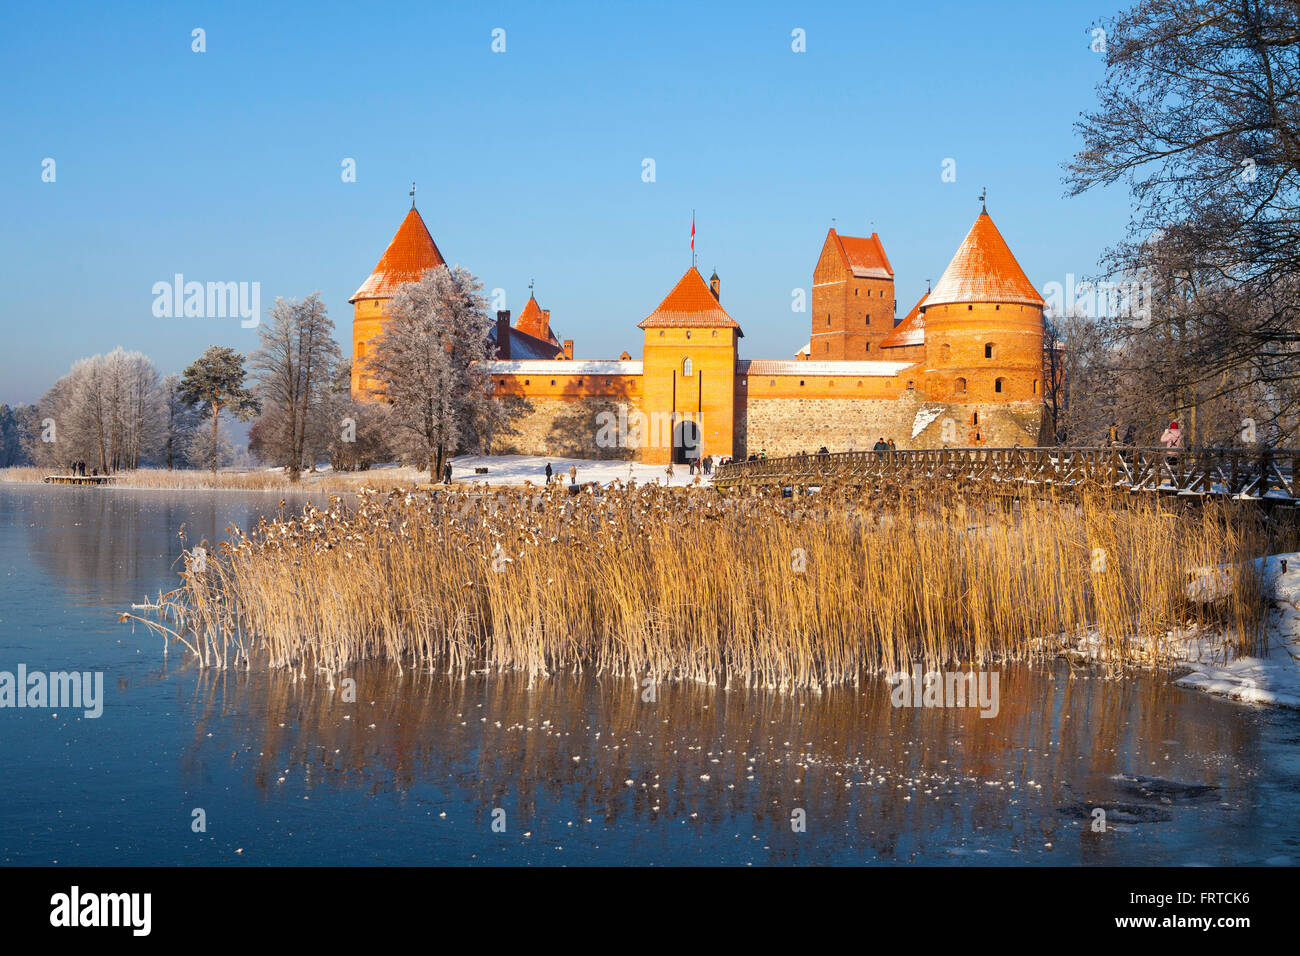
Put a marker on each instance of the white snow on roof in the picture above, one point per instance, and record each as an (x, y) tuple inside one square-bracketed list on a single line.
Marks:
[(566, 367), (811, 368)]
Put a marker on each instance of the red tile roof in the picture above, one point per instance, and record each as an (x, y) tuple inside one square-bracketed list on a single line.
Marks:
[(865, 257), (984, 270), (411, 252), (689, 305), (533, 322), (911, 331)]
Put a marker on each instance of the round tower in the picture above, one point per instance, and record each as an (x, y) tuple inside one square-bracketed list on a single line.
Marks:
[(984, 331), (411, 252)]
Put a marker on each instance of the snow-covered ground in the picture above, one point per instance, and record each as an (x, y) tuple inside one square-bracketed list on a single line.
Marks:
[(1273, 678), (516, 469)]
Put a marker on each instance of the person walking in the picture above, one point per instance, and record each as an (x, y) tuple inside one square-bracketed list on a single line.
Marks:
[(573, 474), (446, 473), (669, 472), (1172, 439), (549, 472)]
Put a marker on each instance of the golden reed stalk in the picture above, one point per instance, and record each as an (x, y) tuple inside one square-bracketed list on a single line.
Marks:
[(685, 583)]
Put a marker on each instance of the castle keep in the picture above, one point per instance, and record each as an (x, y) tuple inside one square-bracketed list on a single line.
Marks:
[(963, 368)]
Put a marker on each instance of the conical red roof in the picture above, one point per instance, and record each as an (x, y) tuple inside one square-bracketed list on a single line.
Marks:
[(984, 270), (532, 322), (911, 331), (411, 252), (689, 305)]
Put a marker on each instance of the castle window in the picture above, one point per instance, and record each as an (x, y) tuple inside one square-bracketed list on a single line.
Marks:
[(960, 386), (552, 381), (744, 381), (970, 308), (715, 333), (988, 349), (361, 350), (828, 318), (859, 383), (855, 292), (911, 384), (975, 418), (827, 348), (772, 384), (688, 333), (867, 347), (801, 383), (661, 333), (1035, 386), (997, 385), (686, 367), (525, 381), (503, 381)]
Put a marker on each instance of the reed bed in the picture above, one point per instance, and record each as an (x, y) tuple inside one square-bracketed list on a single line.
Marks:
[(688, 584)]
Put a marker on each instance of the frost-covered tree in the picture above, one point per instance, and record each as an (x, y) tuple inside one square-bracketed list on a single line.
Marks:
[(12, 421), (179, 422), (213, 383), (429, 364), (294, 370), (107, 411)]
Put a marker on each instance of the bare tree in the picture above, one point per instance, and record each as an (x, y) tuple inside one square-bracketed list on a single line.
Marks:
[(294, 370), (107, 410), (1198, 114), (429, 363)]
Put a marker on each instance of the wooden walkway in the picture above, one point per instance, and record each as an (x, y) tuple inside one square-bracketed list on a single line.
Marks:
[(79, 479), (1269, 474)]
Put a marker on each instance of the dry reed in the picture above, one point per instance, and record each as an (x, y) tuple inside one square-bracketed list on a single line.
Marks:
[(685, 583)]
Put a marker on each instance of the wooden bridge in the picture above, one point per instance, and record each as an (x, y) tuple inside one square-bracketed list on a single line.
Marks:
[(1268, 474), (79, 479)]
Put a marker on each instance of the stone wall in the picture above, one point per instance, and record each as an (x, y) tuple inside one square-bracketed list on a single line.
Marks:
[(569, 428), (787, 426)]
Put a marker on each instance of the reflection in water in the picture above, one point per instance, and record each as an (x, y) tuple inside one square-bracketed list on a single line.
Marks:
[(877, 783), (585, 768), (96, 540)]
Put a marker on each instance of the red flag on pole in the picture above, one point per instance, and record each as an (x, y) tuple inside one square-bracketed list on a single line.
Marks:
[(692, 230)]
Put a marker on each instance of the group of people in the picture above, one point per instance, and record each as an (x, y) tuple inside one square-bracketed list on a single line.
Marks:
[(573, 474), (78, 468), (700, 464), (1171, 438)]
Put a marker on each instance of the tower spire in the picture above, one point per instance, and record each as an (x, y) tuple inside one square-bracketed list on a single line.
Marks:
[(412, 193), (984, 192)]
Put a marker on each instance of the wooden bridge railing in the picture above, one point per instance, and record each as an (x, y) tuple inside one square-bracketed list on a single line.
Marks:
[(1256, 473)]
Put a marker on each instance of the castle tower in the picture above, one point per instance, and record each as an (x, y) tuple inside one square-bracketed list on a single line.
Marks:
[(852, 299), (688, 377), (411, 252), (984, 325)]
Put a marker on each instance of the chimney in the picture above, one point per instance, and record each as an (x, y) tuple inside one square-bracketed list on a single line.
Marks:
[(546, 325), (503, 334), (568, 348), (715, 286)]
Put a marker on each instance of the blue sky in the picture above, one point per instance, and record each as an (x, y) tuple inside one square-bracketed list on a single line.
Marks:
[(226, 165)]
